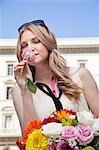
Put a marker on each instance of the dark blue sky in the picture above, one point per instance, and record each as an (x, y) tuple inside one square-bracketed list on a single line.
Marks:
[(66, 18)]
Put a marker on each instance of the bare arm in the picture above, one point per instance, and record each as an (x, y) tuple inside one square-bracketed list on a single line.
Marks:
[(24, 106), (18, 104), (22, 97), (29, 112), (90, 89)]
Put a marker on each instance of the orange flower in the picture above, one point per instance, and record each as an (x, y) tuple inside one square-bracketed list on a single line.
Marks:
[(34, 124), (62, 114)]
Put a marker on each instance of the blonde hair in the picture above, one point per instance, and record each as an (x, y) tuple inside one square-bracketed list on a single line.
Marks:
[(56, 62)]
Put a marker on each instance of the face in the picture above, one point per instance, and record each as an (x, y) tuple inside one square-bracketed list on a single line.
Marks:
[(31, 42)]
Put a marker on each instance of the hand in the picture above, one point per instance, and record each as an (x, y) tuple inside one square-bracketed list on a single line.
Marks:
[(21, 72)]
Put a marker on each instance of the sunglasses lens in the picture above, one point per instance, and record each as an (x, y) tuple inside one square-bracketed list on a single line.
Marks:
[(25, 24), (39, 22), (35, 22)]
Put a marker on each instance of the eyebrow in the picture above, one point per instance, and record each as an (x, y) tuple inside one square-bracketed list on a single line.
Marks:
[(31, 39)]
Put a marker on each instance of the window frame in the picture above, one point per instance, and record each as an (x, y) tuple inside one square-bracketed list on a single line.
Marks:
[(82, 62)]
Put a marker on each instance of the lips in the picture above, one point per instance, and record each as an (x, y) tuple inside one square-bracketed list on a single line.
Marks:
[(35, 54)]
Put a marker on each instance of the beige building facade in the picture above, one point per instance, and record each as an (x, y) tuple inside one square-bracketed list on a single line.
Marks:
[(83, 52)]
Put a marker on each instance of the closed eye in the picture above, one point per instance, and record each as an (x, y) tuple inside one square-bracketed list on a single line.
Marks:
[(35, 40), (24, 44)]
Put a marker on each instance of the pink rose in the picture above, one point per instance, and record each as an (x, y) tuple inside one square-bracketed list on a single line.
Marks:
[(69, 132), (85, 134), (29, 55), (26, 53)]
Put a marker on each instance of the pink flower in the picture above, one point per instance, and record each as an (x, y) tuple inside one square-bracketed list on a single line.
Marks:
[(29, 55), (85, 134), (62, 145), (26, 53), (72, 143), (75, 148), (52, 147), (69, 132)]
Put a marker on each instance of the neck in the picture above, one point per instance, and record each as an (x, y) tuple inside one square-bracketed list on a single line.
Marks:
[(43, 73)]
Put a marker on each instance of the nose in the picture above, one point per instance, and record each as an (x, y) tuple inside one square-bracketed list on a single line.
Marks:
[(31, 47)]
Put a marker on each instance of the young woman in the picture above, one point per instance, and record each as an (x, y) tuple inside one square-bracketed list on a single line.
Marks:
[(58, 86)]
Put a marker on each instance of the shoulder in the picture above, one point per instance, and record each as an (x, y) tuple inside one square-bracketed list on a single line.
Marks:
[(86, 78), (82, 72), (85, 74), (80, 75)]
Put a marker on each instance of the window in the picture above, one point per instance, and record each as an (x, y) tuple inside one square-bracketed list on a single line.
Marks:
[(82, 63), (8, 94), (8, 118), (10, 69), (8, 122)]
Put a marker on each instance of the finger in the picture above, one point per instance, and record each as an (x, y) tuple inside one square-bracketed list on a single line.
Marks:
[(27, 69), (18, 68), (21, 71), (22, 63)]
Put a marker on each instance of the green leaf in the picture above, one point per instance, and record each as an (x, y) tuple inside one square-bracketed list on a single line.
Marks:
[(64, 122), (80, 148), (30, 85), (69, 122), (95, 143), (74, 122)]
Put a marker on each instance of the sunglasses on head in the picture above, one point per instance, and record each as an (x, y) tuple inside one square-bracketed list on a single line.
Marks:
[(35, 22)]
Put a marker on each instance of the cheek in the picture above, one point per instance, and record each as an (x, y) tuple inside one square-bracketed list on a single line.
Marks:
[(45, 54), (44, 51)]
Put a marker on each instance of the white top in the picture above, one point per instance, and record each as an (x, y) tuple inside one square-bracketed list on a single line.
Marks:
[(44, 104)]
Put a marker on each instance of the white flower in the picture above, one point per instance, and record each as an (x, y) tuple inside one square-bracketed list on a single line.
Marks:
[(72, 116), (85, 117), (52, 129), (95, 127)]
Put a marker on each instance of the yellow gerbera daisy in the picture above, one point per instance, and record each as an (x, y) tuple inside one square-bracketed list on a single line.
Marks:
[(37, 141)]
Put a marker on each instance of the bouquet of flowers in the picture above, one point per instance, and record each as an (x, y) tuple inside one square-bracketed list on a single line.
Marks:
[(62, 130)]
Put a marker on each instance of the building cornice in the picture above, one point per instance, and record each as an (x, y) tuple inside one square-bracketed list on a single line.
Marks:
[(64, 44), (8, 43), (78, 42)]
